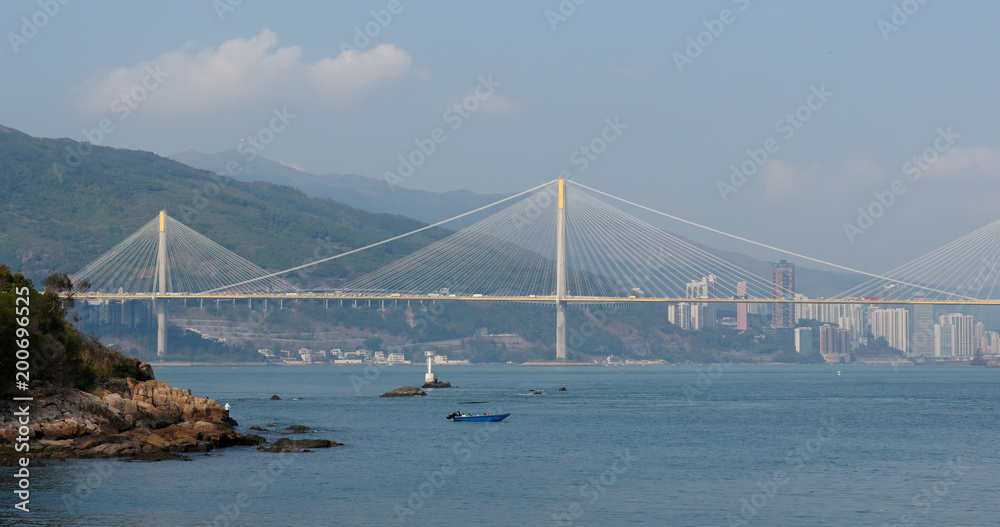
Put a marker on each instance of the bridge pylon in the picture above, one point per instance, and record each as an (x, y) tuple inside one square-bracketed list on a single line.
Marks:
[(160, 299), (561, 273)]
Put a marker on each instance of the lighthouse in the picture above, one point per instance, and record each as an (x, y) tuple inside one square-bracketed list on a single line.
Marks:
[(430, 378)]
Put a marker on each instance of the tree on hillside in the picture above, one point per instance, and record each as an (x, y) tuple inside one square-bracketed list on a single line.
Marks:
[(40, 343)]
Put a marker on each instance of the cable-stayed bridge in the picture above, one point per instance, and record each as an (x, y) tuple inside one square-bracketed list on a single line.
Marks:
[(550, 244)]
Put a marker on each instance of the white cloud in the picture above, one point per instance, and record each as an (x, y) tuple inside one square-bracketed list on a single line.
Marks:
[(352, 73), (485, 102), (782, 180), (498, 104), (959, 162), (859, 173), (242, 71)]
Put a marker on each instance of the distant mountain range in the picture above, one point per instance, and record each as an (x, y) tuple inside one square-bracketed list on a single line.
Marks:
[(64, 203), (363, 192)]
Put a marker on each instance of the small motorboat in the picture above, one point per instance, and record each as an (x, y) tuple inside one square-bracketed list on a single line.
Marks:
[(490, 415)]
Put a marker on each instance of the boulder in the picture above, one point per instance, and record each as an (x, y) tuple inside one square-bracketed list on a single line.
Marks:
[(258, 429), (145, 370), (174, 403), (123, 405), (275, 398), (405, 391), (296, 445), (248, 440), (563, 389), (297, 429)]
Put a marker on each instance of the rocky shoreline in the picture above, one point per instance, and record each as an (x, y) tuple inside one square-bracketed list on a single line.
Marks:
[(142, 420)]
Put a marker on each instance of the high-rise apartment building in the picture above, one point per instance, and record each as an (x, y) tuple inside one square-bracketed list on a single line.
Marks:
[(704, 288), (922, 336), (684, 315), (834, 344), (741, 308), (964, 332), (944, 341), (992, 343), (783, 284), (803, 340), (891, 324)]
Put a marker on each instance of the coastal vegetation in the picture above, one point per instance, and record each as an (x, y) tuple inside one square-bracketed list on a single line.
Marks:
[(59, 355)]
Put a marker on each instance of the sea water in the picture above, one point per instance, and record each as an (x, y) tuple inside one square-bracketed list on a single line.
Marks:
[(653, 445)]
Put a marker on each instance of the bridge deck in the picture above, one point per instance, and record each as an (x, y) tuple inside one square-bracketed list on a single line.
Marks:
[(536, 299)]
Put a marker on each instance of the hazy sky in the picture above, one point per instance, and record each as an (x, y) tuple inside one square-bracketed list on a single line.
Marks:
[(832, 99)]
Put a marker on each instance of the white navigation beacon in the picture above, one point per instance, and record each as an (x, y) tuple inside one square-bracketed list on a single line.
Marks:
[(429, 378)]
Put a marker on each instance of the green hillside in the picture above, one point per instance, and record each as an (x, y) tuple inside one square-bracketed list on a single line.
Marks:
[(35, 332), (52, 221)]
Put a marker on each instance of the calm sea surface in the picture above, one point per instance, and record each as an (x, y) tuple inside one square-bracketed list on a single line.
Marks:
[(664, 445)]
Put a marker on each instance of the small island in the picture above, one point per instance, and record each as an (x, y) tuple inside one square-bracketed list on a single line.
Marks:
[(405, 391)]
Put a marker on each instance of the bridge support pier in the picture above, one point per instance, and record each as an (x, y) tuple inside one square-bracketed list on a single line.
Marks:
[(161, 326), (561, 330)]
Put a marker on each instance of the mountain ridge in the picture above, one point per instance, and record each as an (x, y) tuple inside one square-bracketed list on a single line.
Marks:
[(54, 221), (363, 192)]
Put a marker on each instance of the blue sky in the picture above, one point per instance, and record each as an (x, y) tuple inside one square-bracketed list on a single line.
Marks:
[(920, 83)]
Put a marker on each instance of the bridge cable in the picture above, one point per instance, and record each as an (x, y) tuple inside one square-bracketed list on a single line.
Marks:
[(383, 242), (770, 247)]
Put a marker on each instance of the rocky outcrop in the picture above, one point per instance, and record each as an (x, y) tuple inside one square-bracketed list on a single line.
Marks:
[(296, 429), (145, 370), (297, 445), (135, 419), (158, 397), (405, 391), (436, 384)]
